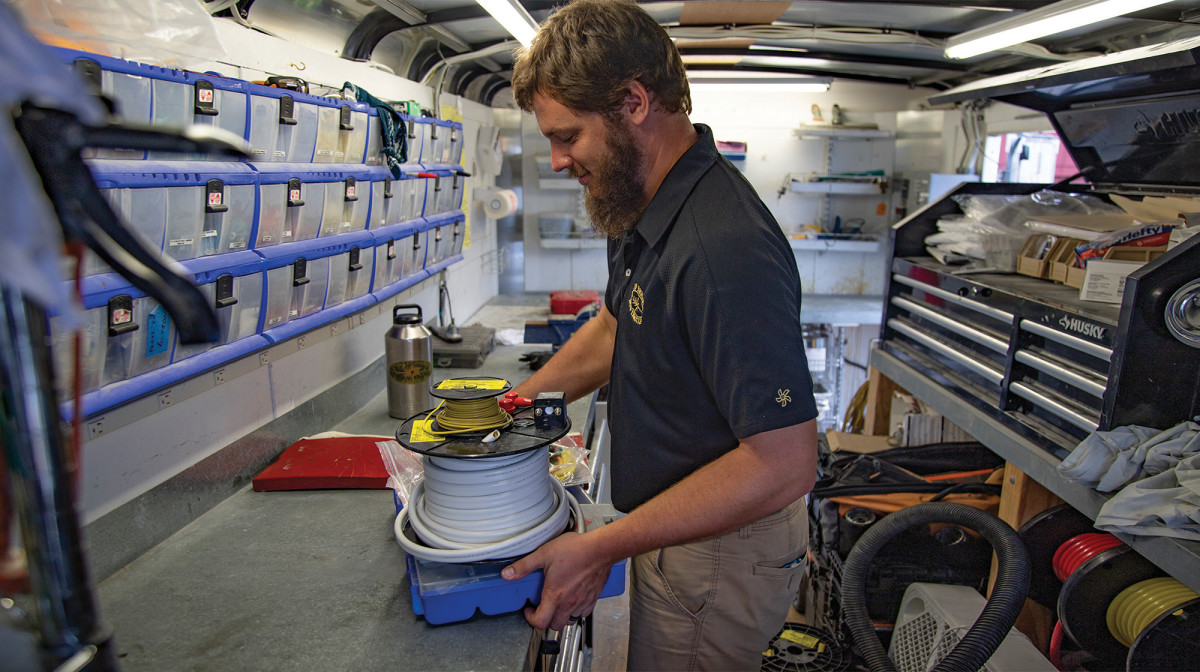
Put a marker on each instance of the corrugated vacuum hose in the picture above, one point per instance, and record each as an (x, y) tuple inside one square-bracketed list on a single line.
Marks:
[(997, 618)]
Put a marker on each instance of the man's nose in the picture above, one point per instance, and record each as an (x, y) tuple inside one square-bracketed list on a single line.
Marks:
[(559, 161)]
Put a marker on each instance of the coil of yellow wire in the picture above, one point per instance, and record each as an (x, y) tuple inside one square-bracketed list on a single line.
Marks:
[(1139, 605)]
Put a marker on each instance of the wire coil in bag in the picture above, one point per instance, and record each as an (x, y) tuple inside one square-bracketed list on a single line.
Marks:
[(485, 508)]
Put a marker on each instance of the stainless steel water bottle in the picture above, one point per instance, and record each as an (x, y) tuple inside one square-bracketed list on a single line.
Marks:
[(409, 358)]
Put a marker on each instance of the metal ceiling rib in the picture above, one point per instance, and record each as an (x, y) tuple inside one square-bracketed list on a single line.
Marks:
[(887, 41)]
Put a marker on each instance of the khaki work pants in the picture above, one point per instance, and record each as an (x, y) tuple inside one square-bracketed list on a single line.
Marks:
[(717, 604)]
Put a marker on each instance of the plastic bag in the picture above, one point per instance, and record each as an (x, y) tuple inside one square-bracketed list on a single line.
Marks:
[(404, 468), (1010, 212), (143, 30), (568, 462)]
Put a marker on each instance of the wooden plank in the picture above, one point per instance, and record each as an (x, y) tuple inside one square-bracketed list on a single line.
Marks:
[(1021, 498), (879, 404)]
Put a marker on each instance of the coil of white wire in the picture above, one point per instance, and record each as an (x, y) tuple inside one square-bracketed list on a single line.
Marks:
[(467, 510)]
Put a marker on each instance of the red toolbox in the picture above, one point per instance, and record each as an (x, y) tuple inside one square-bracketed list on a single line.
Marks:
[(571, 301)]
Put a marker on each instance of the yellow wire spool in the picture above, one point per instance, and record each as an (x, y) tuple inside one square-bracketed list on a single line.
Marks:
[(1139, 605), (468, 416)]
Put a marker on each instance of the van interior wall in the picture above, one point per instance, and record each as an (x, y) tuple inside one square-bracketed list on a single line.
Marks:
[(144, 446)]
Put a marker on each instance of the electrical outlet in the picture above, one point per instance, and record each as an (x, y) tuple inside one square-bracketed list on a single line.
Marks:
[(95, 428), (335, 328), (263, 359), (302, 341), (164, 399), (362, 318), (218, 376)]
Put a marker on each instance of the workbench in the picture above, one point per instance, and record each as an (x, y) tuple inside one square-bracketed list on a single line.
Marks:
[(302, 580)]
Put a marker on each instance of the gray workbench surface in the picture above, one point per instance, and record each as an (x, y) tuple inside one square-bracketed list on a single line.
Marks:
[(306, 580)]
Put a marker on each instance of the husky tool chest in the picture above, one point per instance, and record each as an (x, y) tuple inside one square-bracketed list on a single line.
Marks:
[(1029, 353)]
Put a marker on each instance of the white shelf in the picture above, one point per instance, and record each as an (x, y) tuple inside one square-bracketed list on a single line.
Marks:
[(842, 309), (840, 132), (558, 183), (574, 243), (831, 187), (834, 245)]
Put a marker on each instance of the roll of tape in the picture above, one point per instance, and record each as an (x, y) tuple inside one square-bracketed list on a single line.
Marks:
[(499, 203)]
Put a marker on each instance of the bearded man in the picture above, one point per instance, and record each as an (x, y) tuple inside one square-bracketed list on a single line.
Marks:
[(710, 399)]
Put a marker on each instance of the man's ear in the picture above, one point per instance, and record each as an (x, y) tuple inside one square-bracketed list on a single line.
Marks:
[(637, 102)]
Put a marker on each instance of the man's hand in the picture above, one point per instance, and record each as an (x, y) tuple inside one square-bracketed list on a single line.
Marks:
[(574, 578)]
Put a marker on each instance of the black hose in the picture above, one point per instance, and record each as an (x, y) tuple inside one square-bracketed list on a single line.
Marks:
[(998, 616)]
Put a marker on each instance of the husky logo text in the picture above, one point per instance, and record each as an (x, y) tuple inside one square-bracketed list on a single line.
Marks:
[(637, 302)]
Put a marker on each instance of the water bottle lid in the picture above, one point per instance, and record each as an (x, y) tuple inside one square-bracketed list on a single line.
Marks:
[(408, 318)]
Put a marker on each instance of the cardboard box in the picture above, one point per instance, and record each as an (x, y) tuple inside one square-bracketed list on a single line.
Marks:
[(1105, 279), (1062, 258), (1034, 258)]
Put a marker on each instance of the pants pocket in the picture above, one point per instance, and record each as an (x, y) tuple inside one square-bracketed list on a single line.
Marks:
[(689, 575)]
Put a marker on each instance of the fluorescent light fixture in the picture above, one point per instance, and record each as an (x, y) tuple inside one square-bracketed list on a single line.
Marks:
[(758, 81), (1056, 18), (513, 17)]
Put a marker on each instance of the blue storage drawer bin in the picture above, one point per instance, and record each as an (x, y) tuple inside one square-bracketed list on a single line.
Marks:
[(164, 96), (347, 201), (297, 277), (183, 209), (420, 140), (456, 143), (341, 131), (292, 201), (442, 235), (126, 334), (442, 133), (394, 246), (449, 593), (232, 285), (443, 192), (283, 124), (350, 271), (393, 201)]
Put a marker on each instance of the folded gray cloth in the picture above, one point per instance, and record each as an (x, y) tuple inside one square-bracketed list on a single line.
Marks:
[(1164, 505), (1092, 459)]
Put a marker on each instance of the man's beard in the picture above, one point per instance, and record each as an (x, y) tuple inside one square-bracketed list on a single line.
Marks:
[(615, 195)]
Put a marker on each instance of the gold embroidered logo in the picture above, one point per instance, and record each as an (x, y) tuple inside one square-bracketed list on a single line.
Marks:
[(784, 397), (637, 302)]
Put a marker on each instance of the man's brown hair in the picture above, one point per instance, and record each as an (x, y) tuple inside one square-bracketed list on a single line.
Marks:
[(587, 53)]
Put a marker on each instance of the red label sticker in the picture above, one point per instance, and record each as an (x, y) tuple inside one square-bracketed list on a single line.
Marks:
[(122, 316), (205, 95), (214, 198), (350, 191), (294, 195)]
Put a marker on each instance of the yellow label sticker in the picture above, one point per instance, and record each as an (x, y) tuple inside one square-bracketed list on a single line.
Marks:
[(420, 432), (464, 384), (807, 641), (769, 653)]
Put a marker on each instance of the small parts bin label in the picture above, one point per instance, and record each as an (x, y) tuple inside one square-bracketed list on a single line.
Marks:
[(158, 332)]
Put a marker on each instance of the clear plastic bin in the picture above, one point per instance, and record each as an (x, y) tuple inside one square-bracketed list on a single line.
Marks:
[(228, 230), (289, 212), (237, 319), (144, 211), (373, 156), (389, 263), (456, 143), (413, 248), (349, 276), (140, 344), (460, 234), (279, 294), (282, 127), (345, 207), (175, 103), (412, 191), (386, 202), (92, 345), (420, 133), (309, 297), (341, 133)]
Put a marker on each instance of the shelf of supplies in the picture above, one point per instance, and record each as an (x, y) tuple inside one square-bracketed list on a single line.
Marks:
[(835, 244), (574, 243), (835, 187), (557, 183), (840, 132), (1178, 557)]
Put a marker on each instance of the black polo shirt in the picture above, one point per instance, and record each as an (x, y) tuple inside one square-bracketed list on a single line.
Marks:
[(708, 349)]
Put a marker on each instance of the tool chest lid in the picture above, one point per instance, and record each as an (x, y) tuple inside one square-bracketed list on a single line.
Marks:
[(1130, 119)]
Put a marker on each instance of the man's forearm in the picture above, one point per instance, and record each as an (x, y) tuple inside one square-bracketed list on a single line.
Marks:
[(581, 365)]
